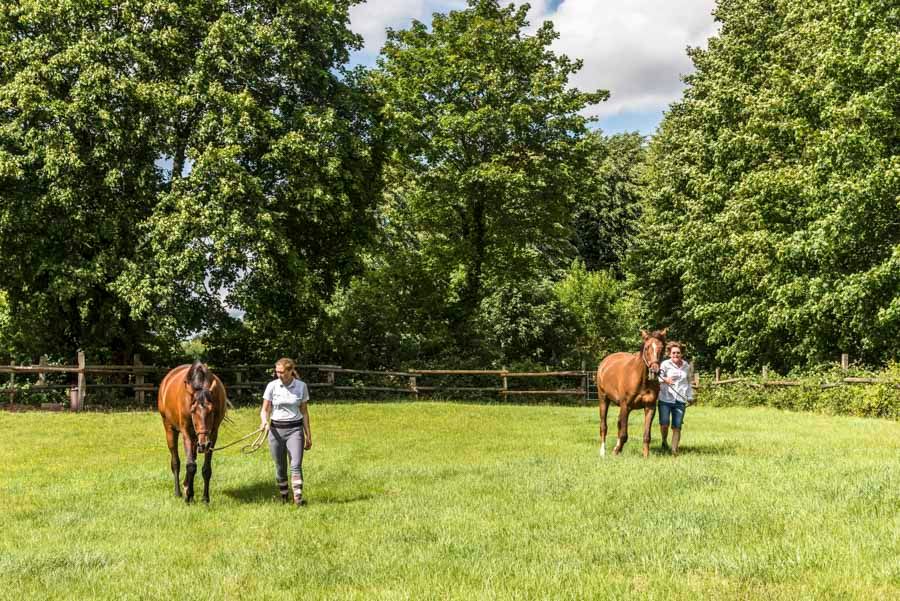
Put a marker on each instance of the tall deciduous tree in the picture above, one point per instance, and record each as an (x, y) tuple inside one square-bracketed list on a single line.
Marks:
[(78, 141), (772, 232), (164, 162), (488, 144)]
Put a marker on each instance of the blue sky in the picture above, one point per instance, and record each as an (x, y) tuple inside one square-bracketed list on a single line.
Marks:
[(636, 49)]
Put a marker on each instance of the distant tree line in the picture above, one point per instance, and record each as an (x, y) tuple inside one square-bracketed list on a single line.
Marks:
[(214, 171)]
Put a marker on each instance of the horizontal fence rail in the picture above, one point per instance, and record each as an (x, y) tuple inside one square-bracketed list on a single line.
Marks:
[(140, 381)]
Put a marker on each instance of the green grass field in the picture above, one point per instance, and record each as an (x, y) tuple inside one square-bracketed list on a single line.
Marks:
[(457, 501)]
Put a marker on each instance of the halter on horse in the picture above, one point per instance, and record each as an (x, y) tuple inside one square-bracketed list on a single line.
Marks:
[(631, 381), (192, 402)]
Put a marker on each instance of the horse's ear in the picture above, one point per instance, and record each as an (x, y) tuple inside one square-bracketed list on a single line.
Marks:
[(663, 331), (644, 335)]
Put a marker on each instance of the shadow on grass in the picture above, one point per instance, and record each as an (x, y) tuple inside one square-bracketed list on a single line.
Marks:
[(719, 448), (265, 491)]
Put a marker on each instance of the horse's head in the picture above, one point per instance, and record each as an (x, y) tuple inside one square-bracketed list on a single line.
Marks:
[(652, 349), (202, 407), (202, 414)]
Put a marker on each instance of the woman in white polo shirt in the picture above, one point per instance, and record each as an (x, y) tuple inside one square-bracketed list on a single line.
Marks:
[(286, 400)]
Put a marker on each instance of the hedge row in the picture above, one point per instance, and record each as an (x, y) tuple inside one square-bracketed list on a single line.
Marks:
[(815, 393)]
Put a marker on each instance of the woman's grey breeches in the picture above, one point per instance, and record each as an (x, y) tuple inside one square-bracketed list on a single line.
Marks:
[(287, 440)]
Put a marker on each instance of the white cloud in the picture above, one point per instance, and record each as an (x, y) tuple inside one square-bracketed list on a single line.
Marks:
[(633, 48), (371, 19)]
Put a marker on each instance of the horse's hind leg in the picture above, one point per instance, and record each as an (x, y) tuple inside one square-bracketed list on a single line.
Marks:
[(623, 429), (172, 441), (604, 407)]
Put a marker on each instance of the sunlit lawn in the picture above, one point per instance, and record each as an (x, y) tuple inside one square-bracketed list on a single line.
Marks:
[(457, 501)]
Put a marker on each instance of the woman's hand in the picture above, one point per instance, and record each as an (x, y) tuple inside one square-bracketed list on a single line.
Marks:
[(307, 444)]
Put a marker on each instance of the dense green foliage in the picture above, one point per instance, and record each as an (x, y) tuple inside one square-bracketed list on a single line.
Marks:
[(494, 184), (488, 142), (773, 189), (818, 392), (455, 501), (77, 152), (211, 169), (163, 162), (606, 215)]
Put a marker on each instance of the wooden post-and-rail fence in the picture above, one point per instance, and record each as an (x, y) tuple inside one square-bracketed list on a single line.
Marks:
[(408, 382), (334, 378)]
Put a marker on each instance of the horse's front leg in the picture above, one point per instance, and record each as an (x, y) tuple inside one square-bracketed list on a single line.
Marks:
[(649, 413), (175, 462), (207, 467), (624, 410), (190, 469)]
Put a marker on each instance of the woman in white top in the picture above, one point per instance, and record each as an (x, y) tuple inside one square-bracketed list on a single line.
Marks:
[(286, 400), (675, 393)]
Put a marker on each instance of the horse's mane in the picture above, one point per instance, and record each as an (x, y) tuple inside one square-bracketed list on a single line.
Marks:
[(198, 376)]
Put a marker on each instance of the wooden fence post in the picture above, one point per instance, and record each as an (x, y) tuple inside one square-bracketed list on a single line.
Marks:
[(765, 373), (412, 385), (845, 361), (718, 374), (80, 392), (12, 384), (42, 376), (139, 397), (505, 385), (584, 381)]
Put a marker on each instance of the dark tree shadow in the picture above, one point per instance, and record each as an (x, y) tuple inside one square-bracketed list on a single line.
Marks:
[(264, 491), (719, 448)]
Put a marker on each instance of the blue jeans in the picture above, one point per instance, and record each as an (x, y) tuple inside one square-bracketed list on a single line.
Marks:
[(673, 411)]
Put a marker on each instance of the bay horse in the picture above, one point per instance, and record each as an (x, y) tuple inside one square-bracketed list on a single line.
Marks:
[(631, 381), (192, 401)]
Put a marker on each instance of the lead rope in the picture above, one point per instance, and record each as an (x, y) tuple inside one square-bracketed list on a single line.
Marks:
[(683, 398), (251, 447)]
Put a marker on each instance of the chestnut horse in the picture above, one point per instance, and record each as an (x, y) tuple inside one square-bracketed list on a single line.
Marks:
[(192, 401), (631, 381)]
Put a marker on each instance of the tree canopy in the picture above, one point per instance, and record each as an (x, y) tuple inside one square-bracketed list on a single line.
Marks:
[(213, 169), (487, 146), (166, 163), (771, 233)]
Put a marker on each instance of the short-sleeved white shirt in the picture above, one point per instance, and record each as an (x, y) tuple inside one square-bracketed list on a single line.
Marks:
[(681, 376), (286, 399)]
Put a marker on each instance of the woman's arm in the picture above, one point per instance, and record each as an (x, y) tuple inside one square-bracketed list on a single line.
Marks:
[(307, 434), (265, 412)]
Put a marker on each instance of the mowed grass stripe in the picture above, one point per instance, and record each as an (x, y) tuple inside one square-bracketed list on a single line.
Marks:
[(458, 501)]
